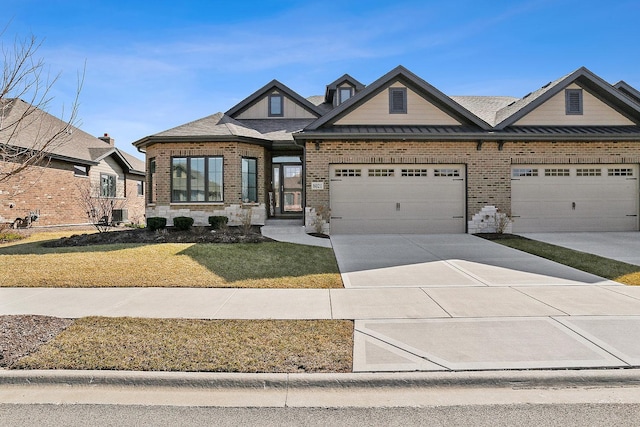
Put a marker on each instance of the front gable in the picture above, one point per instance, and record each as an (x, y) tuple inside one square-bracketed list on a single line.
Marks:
[(274, 101), (378, 111)]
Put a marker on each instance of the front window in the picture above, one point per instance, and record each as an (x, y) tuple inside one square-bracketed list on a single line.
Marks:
[(196, 179), (276, 106), (140, 185), (249, 180), (107, 185)]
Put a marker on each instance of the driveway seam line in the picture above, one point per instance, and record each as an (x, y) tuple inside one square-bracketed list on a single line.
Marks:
[(589, 340), (536, 299), (235, 290), (436, 302), (616, 292)]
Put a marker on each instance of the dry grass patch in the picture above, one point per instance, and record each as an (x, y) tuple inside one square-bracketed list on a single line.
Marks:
[(622, 272), (199, 345), (246, 265)]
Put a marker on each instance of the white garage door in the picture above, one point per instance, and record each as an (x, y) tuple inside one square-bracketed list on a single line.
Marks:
[(403, 199), (547, 198)]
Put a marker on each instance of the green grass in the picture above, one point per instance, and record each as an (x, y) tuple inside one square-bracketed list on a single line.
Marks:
[(243, 265), (604, 267), (198, 345)]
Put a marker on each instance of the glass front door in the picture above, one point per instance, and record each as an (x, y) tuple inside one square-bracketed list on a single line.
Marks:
[(287, 189)]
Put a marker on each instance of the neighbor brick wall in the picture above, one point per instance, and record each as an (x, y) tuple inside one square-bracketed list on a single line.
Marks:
[(488, 169), (232, 153)]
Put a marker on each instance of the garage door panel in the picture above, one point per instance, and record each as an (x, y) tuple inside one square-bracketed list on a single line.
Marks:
[(575, 202), (398, 204)]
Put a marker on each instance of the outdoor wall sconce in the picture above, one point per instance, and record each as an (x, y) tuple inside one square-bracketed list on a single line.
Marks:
[(317, 146)]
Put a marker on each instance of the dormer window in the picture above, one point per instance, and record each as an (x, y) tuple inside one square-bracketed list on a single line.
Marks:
[(344, 93), (573, 101), (398, 100), (276, 103)]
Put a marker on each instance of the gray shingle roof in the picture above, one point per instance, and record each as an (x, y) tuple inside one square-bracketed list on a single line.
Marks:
[(216, 125), (38, 126), (484, 107), (276, 130)]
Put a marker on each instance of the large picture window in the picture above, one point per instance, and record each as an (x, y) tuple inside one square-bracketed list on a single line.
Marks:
[(196, 179), (249, 180)]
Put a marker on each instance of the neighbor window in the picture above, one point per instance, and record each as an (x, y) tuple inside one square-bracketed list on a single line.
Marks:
[(196, 179), (107, 185), (249, 180), (276, 103), (152, 180), (573, 101), (398, 100), (140, 185)]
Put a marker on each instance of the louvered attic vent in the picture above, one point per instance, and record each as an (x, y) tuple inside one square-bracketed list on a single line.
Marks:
[(573, 99), (397, 100)]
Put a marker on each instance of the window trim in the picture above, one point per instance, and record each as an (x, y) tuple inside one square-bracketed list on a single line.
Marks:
[(274, 96), (188, 179), (242, 173), (392, 91), (568, 104), (345, 88)]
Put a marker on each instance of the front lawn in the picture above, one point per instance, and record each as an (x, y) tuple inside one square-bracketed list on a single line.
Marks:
[(198, 345), (244, 265), (622, 272)]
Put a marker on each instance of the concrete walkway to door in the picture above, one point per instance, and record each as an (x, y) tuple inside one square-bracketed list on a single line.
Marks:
[(464, 303)]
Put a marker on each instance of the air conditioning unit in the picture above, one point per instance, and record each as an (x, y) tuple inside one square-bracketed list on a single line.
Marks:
[(120, 215)]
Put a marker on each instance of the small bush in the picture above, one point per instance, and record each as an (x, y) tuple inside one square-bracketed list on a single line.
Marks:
[(182, 223), (218, 221), (156, 223)]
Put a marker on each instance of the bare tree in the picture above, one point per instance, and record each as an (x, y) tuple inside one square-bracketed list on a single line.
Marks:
[(27, 137), (99, 201)]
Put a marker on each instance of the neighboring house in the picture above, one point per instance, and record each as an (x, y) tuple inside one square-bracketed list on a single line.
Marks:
[(399, 156), (53, 187)]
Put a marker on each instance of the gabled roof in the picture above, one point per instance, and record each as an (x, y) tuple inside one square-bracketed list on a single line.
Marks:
[(628, 90), (217, 127), (264, 91), (333, 86), (484, 107), (584, 78), (405, 76), (75, 145)]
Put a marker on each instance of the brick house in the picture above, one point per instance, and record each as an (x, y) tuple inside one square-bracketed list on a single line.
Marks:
[(53, 187), (399, 156)]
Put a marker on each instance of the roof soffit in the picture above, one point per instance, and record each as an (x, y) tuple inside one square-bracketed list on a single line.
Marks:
[(412, 81)]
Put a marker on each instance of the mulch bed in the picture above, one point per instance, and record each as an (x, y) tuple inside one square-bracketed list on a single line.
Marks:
[(167, 235)]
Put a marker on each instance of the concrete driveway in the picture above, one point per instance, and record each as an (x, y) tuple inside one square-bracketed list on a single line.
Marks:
[(458, 302)]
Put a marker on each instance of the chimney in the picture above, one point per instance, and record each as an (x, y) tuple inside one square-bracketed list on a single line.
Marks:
[(106, 138)]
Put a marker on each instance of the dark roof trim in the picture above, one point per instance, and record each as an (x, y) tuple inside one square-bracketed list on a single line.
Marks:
[(467, 133), (628, 90), (144, 142), (421, 87), (587, 80), (264, 91), (333, 86)]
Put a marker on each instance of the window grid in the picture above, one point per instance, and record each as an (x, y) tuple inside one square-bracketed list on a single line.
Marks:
[(107, 185), (446, 172), (524, 172), (381, 172), (348, 172), (197, 179), (589, 172), (414, 172), (556, 172), (620, 172)]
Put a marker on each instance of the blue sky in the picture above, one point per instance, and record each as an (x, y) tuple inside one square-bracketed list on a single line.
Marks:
[(153, 65)]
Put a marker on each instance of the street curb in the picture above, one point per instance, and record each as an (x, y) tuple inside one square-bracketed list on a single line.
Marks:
[(208, 380)]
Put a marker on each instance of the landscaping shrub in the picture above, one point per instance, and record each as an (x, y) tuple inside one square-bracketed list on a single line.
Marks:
[(182, 222), (156, 223), (218, 221)]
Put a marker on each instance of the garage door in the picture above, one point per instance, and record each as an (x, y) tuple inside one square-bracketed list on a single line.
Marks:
[(378, 199), (574, 198)]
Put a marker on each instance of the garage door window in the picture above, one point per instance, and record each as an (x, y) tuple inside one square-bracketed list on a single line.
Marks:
[(348, 172), (620, 172), (556, 172), (381, 172), (446, 172), (589, 172), (524, 172), (414, 172)]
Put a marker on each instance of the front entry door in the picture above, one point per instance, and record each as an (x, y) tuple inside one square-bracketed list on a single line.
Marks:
[(287, 189)]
